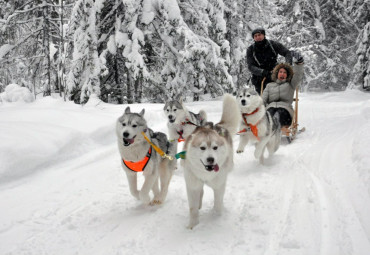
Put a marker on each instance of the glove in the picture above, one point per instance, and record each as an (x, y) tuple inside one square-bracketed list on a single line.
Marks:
[(297, 56), (266, 73), (299, 60)]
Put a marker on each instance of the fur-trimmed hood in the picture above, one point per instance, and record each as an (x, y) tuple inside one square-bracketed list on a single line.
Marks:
[(287, 67)]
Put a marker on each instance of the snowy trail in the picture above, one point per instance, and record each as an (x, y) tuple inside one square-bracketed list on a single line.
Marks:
[(312, 197)]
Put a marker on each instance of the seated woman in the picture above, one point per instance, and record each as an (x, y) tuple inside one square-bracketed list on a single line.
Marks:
[(278, 95)]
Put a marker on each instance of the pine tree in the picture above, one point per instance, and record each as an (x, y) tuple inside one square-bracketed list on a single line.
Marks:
[(30, 29), (83, 78), (323, 31), (361, 76)]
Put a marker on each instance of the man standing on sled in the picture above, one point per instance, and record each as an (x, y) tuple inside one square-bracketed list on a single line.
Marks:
[(262, 57)]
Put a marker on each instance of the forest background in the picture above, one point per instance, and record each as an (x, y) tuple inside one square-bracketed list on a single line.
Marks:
[(133, 51)]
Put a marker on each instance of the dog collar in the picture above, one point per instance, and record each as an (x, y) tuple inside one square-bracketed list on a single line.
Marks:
[(247, 114), (138, 166)]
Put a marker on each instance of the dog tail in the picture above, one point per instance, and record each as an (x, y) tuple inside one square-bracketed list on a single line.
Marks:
[(230, 118)]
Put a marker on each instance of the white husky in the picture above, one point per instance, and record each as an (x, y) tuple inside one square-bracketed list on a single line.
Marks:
[(137, 155), (209, 159), (257, 126)]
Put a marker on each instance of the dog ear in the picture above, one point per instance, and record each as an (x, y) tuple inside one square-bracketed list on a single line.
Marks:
[(142, 112), (254, 88), (166, 98), (127, 110)]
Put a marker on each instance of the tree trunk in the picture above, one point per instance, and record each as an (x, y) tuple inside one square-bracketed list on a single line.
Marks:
[(130, 98), (46, 48), (138, 88)]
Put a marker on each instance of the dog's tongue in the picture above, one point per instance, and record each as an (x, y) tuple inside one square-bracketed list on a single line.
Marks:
[(216, 168), (128, 141), (212, 168)]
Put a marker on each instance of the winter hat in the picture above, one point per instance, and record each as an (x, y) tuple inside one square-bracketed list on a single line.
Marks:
[(258, 30)]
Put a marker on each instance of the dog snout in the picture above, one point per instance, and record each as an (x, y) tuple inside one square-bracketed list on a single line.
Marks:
[(170, 117), (210, 160), (243, 102), (126, 134)]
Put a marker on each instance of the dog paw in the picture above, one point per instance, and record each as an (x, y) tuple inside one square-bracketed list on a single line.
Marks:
[(239, 151), (192, 224), (156, 202)]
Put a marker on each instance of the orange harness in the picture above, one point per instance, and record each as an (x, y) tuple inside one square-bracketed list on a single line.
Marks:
[(138, 166), (253, 128)]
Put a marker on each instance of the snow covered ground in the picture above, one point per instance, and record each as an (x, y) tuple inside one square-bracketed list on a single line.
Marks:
[(62, 190)]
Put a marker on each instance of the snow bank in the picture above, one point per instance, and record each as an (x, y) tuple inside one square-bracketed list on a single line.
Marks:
[(15, 93), (30, 142)]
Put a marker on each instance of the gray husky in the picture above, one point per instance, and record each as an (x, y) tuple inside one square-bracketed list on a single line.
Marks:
[(182, 122), (138, 155), (257, 125), (209, 159)]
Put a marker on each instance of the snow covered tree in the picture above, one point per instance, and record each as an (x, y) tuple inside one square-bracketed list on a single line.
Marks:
[(30, 30), (83, 78), (361, 77), (323, 31), (194, 47), (360, 12)]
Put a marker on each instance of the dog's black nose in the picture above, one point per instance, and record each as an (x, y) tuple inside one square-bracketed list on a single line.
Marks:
[(243, 102), (210, 160), (125, 134), (170, 117)]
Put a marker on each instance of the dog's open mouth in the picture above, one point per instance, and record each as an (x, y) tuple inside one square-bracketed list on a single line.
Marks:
[(211, 167), (127, 142), (172, 120)]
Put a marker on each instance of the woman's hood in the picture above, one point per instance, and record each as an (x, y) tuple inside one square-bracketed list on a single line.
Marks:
[(287, 67)]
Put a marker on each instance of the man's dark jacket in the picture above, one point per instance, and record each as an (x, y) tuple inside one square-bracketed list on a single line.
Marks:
[(262, 56)]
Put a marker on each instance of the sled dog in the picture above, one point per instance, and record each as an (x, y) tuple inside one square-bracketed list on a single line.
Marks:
[(257, 126), (209, 159), (182, 122), (137, 155)]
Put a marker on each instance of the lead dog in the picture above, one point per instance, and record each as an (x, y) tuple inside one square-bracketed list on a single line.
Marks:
[(209, 159), (257, 125), (137, 155)]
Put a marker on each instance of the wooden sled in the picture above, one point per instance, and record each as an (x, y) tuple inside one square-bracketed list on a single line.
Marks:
[(290, 132)]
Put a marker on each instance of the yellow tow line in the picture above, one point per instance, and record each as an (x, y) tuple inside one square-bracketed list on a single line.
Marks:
[(156, 148)]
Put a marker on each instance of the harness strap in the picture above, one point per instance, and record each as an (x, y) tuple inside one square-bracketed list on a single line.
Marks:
[(254, 52), (187, 121), (138, 166), (156, 148), (181, 138), (253, 128)]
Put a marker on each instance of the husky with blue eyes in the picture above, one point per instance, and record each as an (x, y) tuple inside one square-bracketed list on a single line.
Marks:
[(209, 159), (138, 155)]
